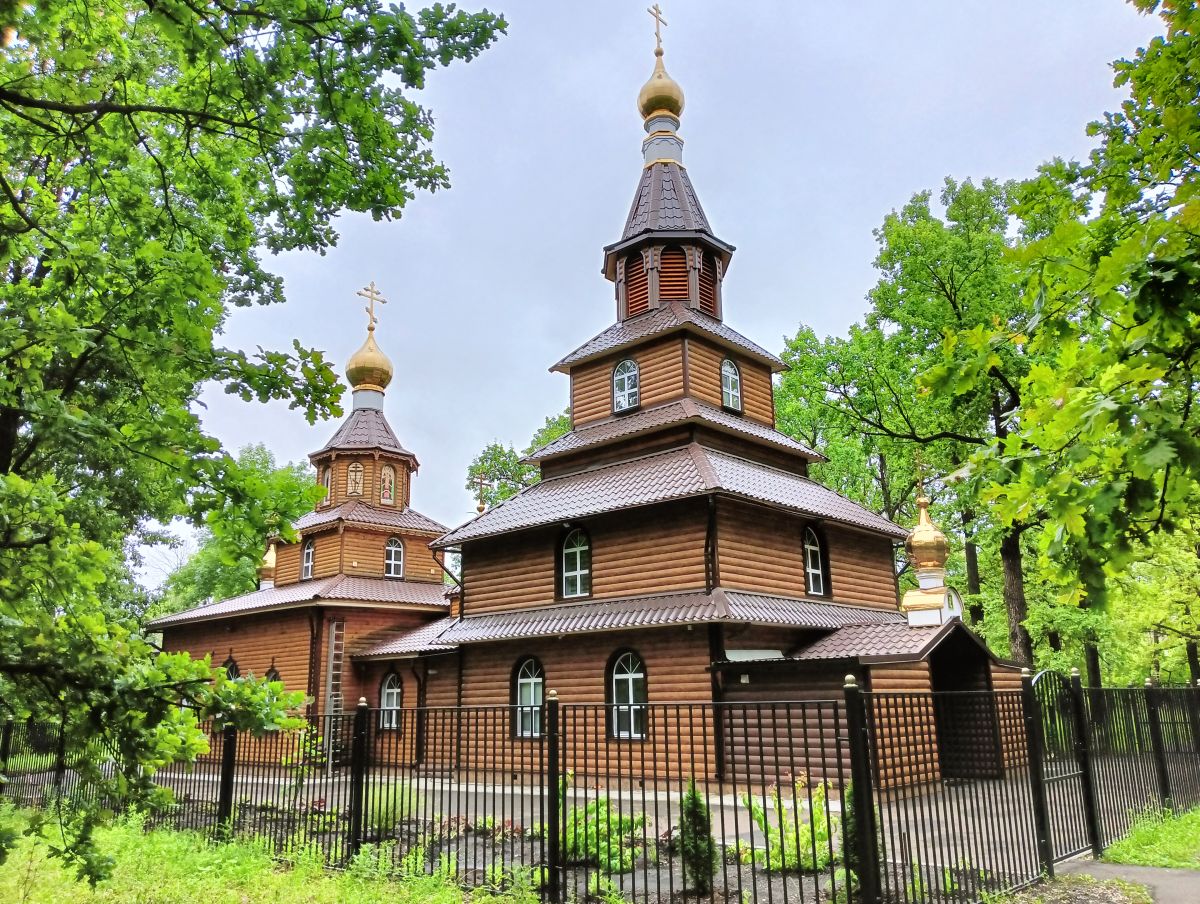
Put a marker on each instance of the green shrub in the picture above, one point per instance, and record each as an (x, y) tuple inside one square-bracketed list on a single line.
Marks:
[(600, 835), (697, 849), (387, 803), (799, 842)]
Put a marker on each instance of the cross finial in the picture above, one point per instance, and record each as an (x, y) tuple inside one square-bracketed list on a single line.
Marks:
[(482, 481), (659, 21), (372, 294)]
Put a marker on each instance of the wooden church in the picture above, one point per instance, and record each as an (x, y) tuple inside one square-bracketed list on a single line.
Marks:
[(675, 550)]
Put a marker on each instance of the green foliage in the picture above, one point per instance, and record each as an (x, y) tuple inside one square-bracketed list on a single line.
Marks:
[(387, 803), (697, 848), (235, 535), (503, 471), (163, 866), (801, 841), (1160, 839), (599, 834), (150, 152)]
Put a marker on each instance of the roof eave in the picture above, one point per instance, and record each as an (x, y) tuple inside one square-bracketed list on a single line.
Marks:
[(687, 326), (301, 604)]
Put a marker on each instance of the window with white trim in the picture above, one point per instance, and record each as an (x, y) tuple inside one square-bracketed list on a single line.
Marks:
[(627, 684), (527, 695), (393, 558), (391, 701), (814, 563), (731, 385), (625, 386), (576, 564), (306, 559)]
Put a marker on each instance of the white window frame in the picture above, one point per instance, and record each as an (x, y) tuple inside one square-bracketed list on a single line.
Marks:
[(393, 558), (530, 684), (575, 572), (626, 386), (391, 701), (814, 563), (308, 555), (628, 713), (731, 385)]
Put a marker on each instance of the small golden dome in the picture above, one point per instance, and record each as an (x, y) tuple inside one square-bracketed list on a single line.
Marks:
[(369, 368), (926, 545), (661, 93)]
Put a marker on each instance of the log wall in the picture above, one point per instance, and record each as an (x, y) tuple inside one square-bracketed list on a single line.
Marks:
[(363, 554), (660, 375), (256, 642), (704, 380), (905, 724)]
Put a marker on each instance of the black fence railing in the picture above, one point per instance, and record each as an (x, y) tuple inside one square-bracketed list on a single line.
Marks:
[(875, 797)]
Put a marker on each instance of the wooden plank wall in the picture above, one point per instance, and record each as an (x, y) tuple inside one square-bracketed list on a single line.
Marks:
[(704, 380), (363, 554), (632, 552), (255, 641), (904, 723), (660, 372), (763, 550), (1006, 682)]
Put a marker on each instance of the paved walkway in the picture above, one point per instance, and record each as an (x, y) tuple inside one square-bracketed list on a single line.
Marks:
[(1169, 886)]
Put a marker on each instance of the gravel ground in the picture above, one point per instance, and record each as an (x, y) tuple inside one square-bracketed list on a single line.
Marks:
[(1082, 890)]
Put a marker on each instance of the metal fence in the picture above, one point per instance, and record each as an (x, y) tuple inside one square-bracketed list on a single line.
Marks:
[(873, 797)]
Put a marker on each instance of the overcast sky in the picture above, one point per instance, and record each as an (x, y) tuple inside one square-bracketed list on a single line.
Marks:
[(805, 124)]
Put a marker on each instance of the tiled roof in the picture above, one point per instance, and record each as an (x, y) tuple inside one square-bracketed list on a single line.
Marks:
[(365, 428), (760, 609), (425, 639), (339, 587), (675, 474), (679, 411), (673, 315), (665, 201), (358, 512), (857, 641)]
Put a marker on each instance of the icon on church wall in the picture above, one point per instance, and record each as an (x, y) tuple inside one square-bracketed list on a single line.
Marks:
[(354, 479), (387, 485)]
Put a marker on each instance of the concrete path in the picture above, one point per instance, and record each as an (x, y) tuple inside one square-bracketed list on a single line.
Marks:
[(1169, 886)]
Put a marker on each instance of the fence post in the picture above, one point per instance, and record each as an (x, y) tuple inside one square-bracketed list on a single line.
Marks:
[(229, 738), (1083, 753), (358, 774), (857, 730), (1037, 777), (1157, 745), (6, 744), (553, 802)]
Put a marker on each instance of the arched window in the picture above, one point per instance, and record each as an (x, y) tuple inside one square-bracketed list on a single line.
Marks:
[(731, 385), (327, 482), (626, 690), (391, 701), (354, 479), (387, 485), (272, 674), (393, 558), (814, 563), (306, 559), (528, 681), (625, 386), (231, 668), (576, 564)]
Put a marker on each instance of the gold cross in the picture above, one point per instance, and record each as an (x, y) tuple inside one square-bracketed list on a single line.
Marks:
[(482, 480), (372, 294), (658, 22)]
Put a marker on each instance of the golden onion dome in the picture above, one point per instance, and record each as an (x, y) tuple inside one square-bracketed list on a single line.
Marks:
[(369, 368), (926, 545), (661, 93)]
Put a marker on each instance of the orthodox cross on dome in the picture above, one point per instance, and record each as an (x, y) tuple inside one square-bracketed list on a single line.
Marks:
[(482, 481), (372, 294), (659, 21)]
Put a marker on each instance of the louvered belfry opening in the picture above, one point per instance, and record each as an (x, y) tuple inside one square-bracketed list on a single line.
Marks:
[(708, 286), (673, 275), (637, 286)]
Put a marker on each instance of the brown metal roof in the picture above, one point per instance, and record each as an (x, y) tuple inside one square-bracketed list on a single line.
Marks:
[(359, 512), (665, 201), (691, 470), (681, 411), (896, 639), (674, 315), (659, 610), (425, 639), (365, 428), (340, 588)]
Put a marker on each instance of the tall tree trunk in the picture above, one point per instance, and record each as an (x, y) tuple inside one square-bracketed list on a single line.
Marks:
[(1193, 658), (1055, 640), (1014, 598), (971, 555), (1095, 681)]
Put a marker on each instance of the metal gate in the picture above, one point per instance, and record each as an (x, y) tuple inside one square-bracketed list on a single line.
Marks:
[(1067, 803)]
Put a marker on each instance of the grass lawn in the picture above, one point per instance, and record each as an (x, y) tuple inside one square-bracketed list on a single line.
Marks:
[(1173, 841), (167, 867), (1080, 890)]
